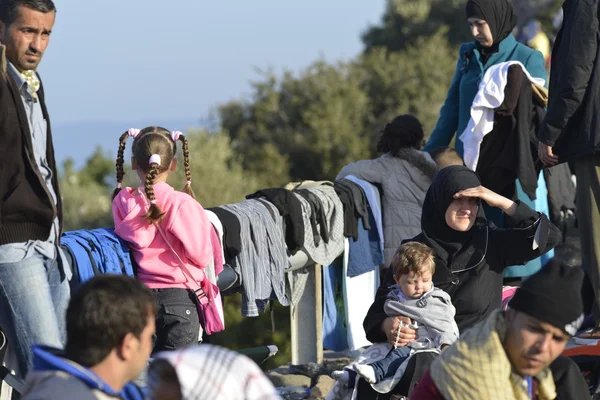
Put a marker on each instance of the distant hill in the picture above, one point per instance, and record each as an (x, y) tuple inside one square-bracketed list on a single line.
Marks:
[(78, 140)]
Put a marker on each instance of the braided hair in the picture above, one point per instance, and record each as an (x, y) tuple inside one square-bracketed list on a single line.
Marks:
[(148, 142), (405, 131), (186, 163)]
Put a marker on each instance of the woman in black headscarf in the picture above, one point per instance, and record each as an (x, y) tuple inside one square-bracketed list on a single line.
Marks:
[(492, 23), (471, 254)]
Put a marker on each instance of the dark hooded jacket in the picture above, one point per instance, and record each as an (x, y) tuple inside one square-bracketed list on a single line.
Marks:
[(469, 265), (571, 125)]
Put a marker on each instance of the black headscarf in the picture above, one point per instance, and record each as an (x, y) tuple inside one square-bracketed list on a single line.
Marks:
[(446, 183), (499, 15)]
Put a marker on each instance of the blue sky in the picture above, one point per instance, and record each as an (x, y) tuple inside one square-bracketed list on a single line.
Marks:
[(134, 60)]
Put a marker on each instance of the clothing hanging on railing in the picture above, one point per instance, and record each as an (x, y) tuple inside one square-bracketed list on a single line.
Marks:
[(359, 294), (232, 243), (373, 196), (354, 201), (318, 218), (263, 257), (324, 253), (349, 286), (291, 210)]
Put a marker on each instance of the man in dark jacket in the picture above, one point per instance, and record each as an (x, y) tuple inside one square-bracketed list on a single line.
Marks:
[(516, 353), (110, 326), (34, 290), (571, 129)]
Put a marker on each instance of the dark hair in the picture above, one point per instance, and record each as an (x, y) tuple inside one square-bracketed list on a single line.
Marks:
[(412, 257), (9, 9), (405, 131), (161, 372), (149, 141), (446, 156), (101, 312)]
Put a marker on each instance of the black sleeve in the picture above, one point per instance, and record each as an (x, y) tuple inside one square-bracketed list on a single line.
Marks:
[(568, 379), (514, 244), (577, 53), (376, 315), (512, 90)]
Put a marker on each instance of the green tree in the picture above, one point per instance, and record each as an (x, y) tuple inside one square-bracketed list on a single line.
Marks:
[(86, 193), (404, 22), (407, 82), (217, 173), (313, 122)]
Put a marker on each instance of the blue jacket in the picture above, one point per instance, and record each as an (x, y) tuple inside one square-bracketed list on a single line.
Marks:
[(55, 377), (456, 111)]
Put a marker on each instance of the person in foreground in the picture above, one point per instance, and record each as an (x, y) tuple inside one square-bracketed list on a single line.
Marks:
[(508, 355), (471, 254), (571, 130), (34, 280), (110, 324), (207, 372), (413, 296)]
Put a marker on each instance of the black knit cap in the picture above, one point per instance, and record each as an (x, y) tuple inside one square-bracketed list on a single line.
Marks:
[(553, 295)]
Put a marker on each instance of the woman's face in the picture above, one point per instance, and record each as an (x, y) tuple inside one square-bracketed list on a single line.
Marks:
[(461, 214), (481, 32)]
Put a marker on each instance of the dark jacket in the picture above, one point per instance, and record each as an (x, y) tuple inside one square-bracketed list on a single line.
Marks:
[(509, 151), (290, 209), (27, 209), (476, 285), (571, 125)]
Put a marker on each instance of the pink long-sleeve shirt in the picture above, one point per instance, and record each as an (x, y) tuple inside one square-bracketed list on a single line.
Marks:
[(186, 227)]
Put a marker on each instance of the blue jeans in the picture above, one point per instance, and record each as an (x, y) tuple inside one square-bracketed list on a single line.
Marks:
[(34, 295), (387, 367)]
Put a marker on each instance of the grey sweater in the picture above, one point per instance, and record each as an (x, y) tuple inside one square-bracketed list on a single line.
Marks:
[(433, 312), (404, 179)]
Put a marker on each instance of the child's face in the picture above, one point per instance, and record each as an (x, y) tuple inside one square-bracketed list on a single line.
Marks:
[(415, 285)]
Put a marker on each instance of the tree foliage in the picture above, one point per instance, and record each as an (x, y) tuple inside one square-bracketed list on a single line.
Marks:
[(308, 125), (404, 22)]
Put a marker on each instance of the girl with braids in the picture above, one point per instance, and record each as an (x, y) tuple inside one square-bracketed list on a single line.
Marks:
[(154, 218), (404, 173)]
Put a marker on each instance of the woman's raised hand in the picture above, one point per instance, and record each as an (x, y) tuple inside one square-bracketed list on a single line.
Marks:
[(493, 199)]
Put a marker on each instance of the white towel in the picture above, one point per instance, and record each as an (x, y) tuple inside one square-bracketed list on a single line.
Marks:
[(489, 97)]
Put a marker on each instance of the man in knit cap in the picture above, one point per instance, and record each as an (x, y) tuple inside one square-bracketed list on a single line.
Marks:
[(509, 354)]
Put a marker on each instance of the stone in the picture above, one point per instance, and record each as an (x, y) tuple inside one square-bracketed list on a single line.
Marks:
[(323, 386), (282, 380)]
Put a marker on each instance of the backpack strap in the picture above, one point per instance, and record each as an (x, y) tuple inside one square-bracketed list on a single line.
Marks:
[(192, 283)]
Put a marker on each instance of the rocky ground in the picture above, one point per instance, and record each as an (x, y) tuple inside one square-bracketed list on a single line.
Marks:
[(313, 376)]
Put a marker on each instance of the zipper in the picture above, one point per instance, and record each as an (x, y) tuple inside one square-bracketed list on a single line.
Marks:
[(456, 280), (482, 257)]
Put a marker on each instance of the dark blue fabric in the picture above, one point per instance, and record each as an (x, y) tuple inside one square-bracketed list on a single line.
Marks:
[(387, 367), (335, 335), (97, 251), (364, 254), (375, 241)]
